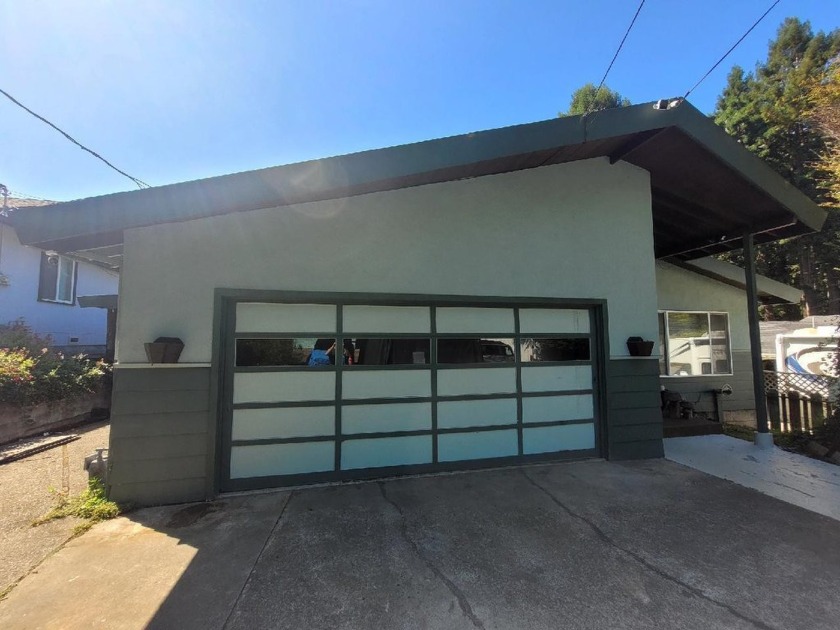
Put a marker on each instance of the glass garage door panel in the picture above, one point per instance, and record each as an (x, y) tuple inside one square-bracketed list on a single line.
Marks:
[(268, 460), (258, 317), (568, 437), (559, 378), (557, 408), (278, 387), (386, 319), (386, 384), (476, 413), (382, 418), (286, 422), (465, 381), (547, 320), (385, 452), (477, 445), (481, 321)]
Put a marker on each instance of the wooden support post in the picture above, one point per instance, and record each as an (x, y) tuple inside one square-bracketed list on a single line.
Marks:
[(762, 425)]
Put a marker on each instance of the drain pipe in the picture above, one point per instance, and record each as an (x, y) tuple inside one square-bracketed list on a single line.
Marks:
[(763, 437)]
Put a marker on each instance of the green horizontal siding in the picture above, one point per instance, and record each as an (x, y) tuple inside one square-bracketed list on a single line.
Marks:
[(159, 435), (698, 389), (634, 417)]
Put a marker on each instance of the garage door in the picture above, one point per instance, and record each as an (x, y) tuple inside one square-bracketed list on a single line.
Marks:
[(330, 391)]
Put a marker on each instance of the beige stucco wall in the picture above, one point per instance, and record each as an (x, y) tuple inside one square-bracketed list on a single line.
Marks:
[(681, 290), (581, 230)]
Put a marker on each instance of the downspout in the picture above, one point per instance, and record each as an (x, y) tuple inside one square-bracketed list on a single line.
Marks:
[(763, 437)]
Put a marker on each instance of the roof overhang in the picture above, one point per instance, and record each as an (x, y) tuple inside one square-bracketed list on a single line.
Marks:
[(707, 190), (769, 291)]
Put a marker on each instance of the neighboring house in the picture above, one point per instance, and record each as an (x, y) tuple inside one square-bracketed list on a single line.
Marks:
[(43, 289), (559, 239)]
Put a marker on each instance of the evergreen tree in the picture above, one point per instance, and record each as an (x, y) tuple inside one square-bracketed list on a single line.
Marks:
[(588, 98), (767, 112)]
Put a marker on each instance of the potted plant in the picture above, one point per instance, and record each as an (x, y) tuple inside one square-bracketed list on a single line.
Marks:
[(164, 350), (638, 347)]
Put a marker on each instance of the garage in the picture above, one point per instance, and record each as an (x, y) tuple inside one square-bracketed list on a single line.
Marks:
[(327, 388)]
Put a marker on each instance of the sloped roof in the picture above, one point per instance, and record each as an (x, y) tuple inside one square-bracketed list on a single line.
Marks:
[(769, 291), (707, 190)]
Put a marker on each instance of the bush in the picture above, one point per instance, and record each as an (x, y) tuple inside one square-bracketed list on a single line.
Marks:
[(31, 373)]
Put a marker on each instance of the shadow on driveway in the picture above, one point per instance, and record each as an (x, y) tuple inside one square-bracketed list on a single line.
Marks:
[(582, 545)]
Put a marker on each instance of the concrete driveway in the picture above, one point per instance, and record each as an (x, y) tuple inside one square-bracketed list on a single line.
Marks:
[(578, 545)]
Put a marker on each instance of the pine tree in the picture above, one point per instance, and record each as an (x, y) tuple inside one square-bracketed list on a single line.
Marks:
[(767, 112)]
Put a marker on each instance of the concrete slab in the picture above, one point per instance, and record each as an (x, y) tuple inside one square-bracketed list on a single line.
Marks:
[(789, 477), (170, 567), (583, 545)]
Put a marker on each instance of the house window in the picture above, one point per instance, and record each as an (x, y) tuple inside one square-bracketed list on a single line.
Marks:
[(58, 279), (694, 343)]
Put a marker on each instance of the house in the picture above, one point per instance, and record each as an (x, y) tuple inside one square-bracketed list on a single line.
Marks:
[(43, 288), (335, 313)]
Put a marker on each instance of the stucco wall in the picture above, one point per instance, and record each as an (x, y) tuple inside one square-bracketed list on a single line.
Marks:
[(22, 265), (580, 230)]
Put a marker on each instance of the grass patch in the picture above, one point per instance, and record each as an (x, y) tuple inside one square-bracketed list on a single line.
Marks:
[(91, 505)]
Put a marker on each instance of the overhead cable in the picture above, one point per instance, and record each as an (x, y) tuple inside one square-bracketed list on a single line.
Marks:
[(734, 46), (615, 56), (140, 183)]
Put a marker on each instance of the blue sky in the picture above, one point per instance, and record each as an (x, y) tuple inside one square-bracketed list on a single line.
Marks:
[(173, 90)]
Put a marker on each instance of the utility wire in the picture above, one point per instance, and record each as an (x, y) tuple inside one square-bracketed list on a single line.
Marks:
[(615, 56), (140, 183), (734, 46)]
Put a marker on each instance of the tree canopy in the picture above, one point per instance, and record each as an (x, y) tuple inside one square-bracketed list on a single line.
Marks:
[(589, 98), (770, 112)]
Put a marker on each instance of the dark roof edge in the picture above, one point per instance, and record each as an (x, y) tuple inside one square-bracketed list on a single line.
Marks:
[(390, 168), (770, 291)]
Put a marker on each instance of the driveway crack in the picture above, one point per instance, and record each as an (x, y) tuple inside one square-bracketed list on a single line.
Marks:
[(257, 561), (646, 564), (464, 604)]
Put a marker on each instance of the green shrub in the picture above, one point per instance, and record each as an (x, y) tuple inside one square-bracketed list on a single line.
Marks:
[(31, 373)]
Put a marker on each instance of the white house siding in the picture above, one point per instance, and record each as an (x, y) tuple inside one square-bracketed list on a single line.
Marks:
[(22, 265), (681, 290), (581, 230)]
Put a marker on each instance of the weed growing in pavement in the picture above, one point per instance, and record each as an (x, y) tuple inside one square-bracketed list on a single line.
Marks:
[(91, 505)]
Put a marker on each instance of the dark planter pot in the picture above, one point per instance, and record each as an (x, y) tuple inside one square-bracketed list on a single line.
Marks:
[(164, 350), (639, 347)]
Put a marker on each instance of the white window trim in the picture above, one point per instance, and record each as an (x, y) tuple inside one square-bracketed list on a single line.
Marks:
[(62, 260), (665, 350)]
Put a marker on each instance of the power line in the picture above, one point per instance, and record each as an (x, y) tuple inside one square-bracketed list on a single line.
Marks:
[(615, 56), (734, 46), (140, 183)]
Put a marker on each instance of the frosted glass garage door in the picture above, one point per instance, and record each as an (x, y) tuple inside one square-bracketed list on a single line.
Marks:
[(328, 391)]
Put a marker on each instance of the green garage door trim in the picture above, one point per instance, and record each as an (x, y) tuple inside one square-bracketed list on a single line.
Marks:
[(348, 445)]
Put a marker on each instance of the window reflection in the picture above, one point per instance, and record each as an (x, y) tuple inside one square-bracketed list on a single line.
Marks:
[(279, 352), (555, 349), (475, 350), (399, 351)]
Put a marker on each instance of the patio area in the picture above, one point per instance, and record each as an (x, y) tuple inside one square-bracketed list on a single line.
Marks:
[(802, 481)]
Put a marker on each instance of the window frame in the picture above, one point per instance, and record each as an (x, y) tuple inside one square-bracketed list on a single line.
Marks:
[(665, 351), (51, 294)]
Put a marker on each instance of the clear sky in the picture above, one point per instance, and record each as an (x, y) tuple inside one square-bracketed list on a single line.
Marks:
[(173, 90)]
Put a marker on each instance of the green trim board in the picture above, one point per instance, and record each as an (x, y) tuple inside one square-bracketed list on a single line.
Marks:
[(758, 199), (522, 430)]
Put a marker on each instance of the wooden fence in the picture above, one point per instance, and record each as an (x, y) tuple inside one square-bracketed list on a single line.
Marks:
[(797, 402)]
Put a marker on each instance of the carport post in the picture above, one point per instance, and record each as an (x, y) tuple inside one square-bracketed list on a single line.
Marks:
[(763, 437)]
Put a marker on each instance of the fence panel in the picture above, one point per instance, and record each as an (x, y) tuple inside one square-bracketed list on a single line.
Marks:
[(797, 402)]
